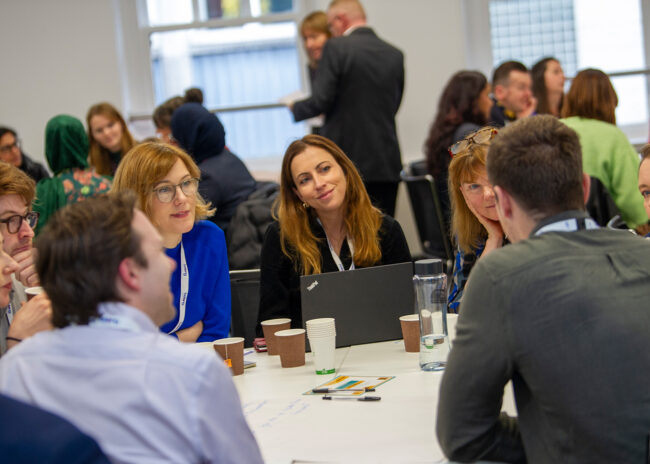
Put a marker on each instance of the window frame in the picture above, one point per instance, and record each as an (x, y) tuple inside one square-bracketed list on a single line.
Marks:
[(134, 52), (478, 46)]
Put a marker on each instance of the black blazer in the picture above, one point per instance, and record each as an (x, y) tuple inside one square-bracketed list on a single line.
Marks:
[(358, 86)]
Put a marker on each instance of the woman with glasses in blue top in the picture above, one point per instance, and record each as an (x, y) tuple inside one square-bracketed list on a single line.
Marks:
[(474, 220), (165, 180)]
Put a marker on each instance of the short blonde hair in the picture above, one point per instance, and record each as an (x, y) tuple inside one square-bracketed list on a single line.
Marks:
[(145, 165)]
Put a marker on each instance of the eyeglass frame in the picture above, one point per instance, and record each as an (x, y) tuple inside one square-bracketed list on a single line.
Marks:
[(8, 220), (8, 148), (193, 180), (462, 145)]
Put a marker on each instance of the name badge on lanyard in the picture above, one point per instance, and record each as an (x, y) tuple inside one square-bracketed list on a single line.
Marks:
[(185, 283)]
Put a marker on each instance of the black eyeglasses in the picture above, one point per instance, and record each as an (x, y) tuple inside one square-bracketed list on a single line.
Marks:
[(167, 192), (480, 136), (11, 146), (16, 221)]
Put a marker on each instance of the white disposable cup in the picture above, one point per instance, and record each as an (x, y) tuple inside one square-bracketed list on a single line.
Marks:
[(31, 292), (323, 349), (322, 327), (323, 321), (325, 331)]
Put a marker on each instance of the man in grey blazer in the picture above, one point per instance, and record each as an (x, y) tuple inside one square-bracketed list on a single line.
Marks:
[(358, 87), (562, 312)]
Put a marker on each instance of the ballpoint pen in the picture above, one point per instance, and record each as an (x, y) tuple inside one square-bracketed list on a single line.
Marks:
[(342, 390), (355, 398)]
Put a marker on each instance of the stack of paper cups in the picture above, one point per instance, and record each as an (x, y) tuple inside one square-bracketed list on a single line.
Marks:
[(322, 340)]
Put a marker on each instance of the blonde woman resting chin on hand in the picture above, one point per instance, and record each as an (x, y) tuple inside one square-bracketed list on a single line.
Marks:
[(475, 222)]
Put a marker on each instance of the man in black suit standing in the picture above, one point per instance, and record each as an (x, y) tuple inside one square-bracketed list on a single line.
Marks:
[(359, 86)]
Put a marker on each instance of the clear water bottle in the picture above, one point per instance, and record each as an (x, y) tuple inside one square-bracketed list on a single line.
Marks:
[(430, 284)]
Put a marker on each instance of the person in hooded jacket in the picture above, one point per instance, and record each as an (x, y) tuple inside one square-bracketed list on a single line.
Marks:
[(225, 180), (66, 150)]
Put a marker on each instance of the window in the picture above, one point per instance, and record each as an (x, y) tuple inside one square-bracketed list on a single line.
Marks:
[(603, 34), (243, 54)]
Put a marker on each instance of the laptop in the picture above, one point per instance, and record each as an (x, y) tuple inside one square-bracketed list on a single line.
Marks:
[(366, 303)]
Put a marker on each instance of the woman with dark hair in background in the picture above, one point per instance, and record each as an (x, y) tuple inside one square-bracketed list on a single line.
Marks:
[(109, 138), (464, 107), (326, 223), (590, 109), (548, 86)]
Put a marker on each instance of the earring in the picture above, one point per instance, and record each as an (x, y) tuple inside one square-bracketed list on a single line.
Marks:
[(305, 205)]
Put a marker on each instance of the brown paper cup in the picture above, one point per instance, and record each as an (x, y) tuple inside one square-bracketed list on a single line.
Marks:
[(31, 292), (291, 344), (270, 327), (233, 349), (411, 332)]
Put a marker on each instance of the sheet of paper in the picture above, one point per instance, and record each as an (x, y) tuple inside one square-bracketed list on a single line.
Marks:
[(346, 382)]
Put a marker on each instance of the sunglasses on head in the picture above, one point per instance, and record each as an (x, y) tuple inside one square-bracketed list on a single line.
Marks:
[(479, 137)]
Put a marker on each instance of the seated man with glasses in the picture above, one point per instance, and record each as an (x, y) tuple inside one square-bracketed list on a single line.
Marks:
[(20, 319), (11, 152)]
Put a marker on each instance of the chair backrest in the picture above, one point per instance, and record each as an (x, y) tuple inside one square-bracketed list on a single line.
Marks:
[(601, 206), (428, 215), (245, 298)]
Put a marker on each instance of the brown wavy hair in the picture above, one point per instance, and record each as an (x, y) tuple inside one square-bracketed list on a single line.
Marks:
[(99, 157), (13, 181), (79, 253), (591, 96), (147, 163), (465, 167), (362, 220)]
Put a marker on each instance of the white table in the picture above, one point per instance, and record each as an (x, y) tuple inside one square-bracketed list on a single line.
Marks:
[(398, 429)]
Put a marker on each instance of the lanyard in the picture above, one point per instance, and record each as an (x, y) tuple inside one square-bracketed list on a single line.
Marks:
[(10, 313), (335, 257), (569, 225), (185, 283)]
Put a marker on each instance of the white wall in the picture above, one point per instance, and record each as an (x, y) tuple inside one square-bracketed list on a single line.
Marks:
[(58, 57)]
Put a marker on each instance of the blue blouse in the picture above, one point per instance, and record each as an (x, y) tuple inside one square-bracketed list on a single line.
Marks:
[(208, 299), (462, 267)]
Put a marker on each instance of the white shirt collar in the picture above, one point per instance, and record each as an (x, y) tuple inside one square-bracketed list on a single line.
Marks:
[(119, 309)]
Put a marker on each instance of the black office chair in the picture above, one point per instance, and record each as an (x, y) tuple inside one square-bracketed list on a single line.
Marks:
[(428, 214), (245, 299)]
